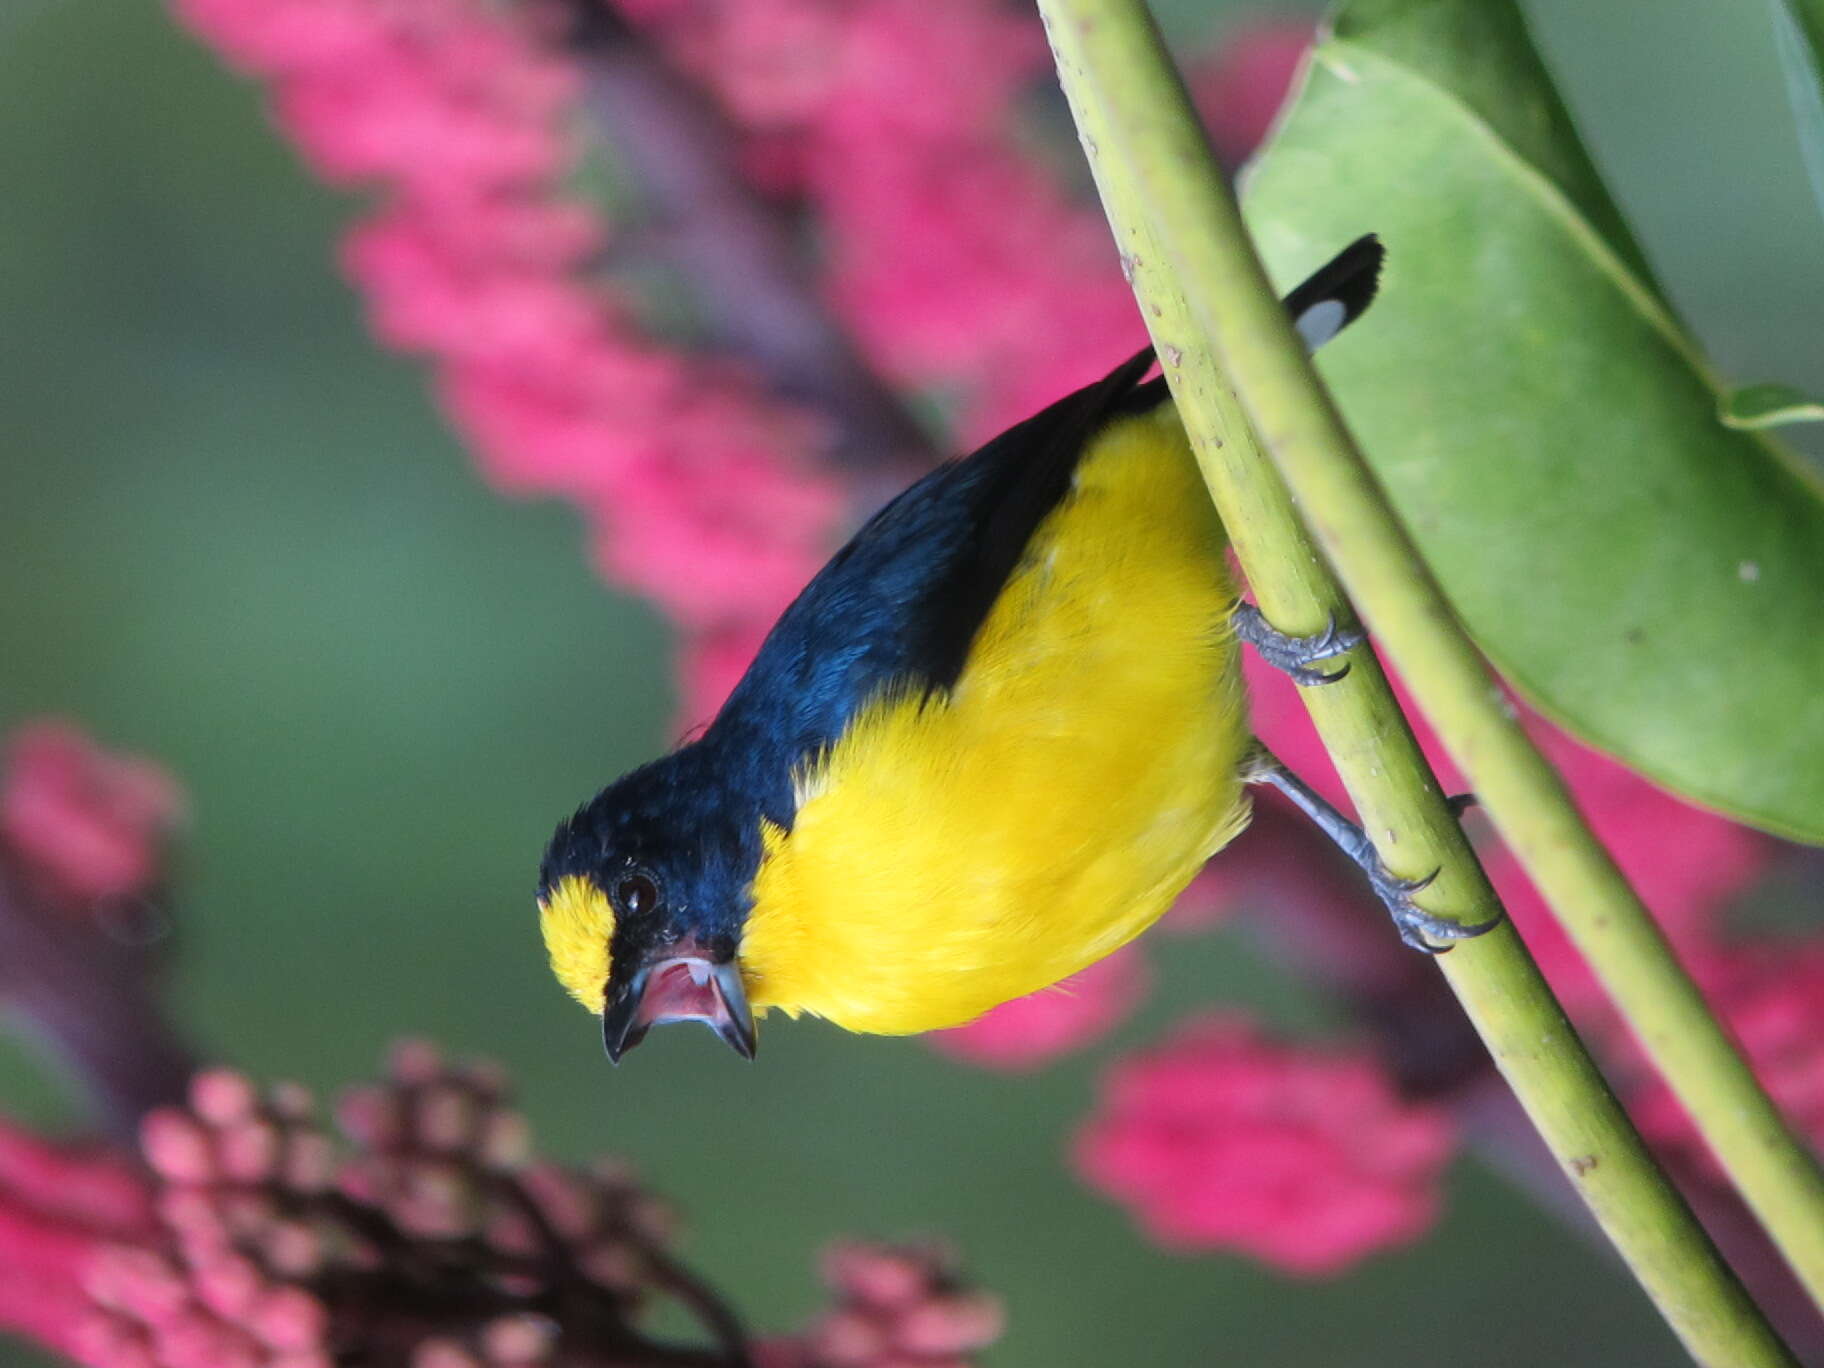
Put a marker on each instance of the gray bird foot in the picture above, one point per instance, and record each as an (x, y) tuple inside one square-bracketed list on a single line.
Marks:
[(1295, 655), (1417, 927)]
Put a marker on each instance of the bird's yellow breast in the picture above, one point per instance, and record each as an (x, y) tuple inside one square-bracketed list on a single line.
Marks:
[(952, 852)]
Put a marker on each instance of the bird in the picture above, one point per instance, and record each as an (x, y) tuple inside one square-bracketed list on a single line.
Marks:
[(988, 744)]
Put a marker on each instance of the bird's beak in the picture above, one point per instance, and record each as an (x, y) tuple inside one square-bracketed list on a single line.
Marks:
[(680, 987)]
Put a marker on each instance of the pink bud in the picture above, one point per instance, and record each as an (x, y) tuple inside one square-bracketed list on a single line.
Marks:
[(177, 1147), (93, 823), (849, 1339), (443, 1353), (309, 1162), (248, 1151), (372, 1116), (445, 1116), (874, 1276), (518, 1338), (222, 1097), (227, 1285), (289, 1318), (506, 1141), (414, 1061), (1032, 1031), (951, 1324)]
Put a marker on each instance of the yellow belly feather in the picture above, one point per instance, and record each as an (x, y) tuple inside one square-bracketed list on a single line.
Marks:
[(953, 853)]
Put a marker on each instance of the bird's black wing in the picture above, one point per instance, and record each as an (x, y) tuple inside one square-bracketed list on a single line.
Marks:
[(903, 601), (1001, 494)]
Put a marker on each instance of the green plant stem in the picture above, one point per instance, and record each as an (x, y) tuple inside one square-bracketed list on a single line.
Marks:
[(1157, 179), (1196, 221)]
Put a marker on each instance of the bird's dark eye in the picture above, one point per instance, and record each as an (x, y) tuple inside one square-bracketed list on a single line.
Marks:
[(635, 893)]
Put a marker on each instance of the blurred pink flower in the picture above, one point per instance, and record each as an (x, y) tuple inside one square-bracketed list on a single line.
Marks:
[(58, 1207), (1207, 903), (432, 1236), (433, 1233), (896, 1307), (1034, 1030), (712, 663), (1305, 1159), (957, 261), (1686, 863), (700, 489), (1240, 86), (474, 281), (427, 95), (1771, 996), (429, 1235), (89, 825)]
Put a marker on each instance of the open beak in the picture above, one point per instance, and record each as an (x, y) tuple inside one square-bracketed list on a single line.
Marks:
[(680, 987)]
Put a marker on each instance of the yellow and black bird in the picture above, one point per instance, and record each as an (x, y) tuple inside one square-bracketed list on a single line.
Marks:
[(989, 744)]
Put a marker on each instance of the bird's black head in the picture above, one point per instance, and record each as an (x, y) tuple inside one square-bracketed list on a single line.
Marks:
[(641, 897)]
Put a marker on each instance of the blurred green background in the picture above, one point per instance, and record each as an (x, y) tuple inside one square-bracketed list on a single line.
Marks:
[(235, 536)]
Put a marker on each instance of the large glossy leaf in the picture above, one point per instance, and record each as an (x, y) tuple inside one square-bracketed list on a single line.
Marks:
[(1798, 30), (1650, 576)]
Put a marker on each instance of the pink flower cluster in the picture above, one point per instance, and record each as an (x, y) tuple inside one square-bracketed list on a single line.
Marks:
[(956, 260), (275, 1249), (1033, 1030), (431, 1237), (1308, 1160), (1240, 87), (1686, 864), (85, 825), (696, 484), (59, 1206), (1771, 996), (947, 244), (895, 1308)]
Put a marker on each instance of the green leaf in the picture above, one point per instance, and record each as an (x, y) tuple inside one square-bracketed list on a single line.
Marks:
[(1648, 576), (1798, 31), (1769, 405)]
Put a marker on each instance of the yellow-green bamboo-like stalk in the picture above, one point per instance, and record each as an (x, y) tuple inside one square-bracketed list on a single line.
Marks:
[(1136, 128)]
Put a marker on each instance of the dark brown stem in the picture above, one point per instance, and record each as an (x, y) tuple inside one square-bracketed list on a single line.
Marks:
[(709, 1309), (428, 1287), (90, 998), (741, 253), (668, 1276)]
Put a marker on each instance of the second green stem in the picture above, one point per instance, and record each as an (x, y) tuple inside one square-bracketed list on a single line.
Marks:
[(1113, 70)]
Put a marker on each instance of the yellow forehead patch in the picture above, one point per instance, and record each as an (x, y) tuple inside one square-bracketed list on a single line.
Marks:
[(578, 925)]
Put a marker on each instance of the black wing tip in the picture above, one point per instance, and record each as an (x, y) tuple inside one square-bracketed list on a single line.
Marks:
[(1358, 268), (1350, 279)]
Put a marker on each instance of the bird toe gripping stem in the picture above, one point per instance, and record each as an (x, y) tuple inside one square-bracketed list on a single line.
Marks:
[(1417, 927), (1296, 655)]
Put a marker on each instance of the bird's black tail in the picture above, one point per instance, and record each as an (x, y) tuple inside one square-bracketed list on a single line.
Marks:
[(1332, 298), (1336, 294)]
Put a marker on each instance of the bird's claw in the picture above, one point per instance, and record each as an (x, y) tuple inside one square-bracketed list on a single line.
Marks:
[(1460, 803), (1295, 655), (1419, 928)]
